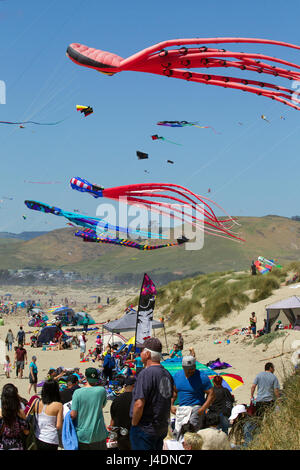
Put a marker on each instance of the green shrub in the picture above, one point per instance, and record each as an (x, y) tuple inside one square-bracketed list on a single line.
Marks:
[(280, 429), (267, 339)]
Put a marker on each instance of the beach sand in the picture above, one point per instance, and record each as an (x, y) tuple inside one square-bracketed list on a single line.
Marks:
[(246, 359)]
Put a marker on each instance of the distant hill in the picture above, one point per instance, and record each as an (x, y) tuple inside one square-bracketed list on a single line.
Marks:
[(270, 236), (21, 236)]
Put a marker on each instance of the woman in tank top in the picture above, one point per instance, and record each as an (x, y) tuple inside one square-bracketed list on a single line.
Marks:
[(49, 414)]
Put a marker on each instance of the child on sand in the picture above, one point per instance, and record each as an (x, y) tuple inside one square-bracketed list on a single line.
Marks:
[(7, 367)]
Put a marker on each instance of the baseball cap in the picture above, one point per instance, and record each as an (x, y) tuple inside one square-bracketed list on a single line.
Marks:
[(130, 380), (153, 344), (92, 375), (236, 410), (188, 362)]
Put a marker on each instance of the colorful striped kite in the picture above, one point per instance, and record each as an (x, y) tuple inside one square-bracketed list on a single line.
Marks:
[(91, 236), (174, 196)]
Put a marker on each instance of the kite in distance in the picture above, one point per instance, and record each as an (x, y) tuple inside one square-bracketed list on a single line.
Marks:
[(177, 63), (157, 137), (142, 155), (173, 195), (86, 110), (20, 124), (170, 161), (43, 182), (264, 118), (91, 236)]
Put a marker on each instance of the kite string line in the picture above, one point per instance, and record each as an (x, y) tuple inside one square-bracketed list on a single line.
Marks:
[(228, 148), (257, 159)]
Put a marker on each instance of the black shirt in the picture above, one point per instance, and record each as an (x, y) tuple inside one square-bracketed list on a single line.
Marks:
[(223, 401), (120, 408), (66, 395)]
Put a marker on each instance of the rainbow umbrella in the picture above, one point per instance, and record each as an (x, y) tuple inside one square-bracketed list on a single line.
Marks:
[(230, 381), (174, 365)]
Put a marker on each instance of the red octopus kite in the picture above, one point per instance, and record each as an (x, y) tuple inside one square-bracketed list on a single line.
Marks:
[(176, 63)]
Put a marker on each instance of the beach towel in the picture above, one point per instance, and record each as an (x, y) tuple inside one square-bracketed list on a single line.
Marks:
[(217, 364), (69, 436)]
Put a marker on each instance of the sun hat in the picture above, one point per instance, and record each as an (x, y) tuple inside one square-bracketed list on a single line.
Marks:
[(236, 410), (188, 362)]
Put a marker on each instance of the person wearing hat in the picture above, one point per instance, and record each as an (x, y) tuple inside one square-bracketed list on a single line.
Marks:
[(87, 413), (242, 427), (180, 341), (119, 412), (194, 393), (151, 401), (54, 375)]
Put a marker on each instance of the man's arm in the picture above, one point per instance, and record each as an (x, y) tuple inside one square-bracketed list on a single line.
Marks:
[(210, 396), (137, 412), (73, 414), (252, 391), (173, 399)]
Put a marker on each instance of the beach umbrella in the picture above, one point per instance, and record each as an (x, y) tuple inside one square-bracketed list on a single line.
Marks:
[(230, 381), (52, 309), (174, 365)]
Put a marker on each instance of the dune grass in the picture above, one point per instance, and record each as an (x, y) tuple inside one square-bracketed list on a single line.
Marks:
[(280, 429), (216, 295)]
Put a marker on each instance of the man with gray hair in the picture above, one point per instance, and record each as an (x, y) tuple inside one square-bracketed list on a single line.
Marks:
[(151, 400), (195, 394)]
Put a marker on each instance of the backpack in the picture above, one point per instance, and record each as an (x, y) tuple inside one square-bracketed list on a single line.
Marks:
[(228, 404), (30, 440)]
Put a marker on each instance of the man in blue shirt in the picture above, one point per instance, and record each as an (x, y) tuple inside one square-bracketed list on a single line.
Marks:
[(194, 393)]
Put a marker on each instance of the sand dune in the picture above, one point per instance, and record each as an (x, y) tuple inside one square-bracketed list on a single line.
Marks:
[(246, 359)]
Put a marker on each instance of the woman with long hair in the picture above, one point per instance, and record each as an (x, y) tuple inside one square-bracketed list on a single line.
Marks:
[(13, 426), (222, 404), (49, 415)]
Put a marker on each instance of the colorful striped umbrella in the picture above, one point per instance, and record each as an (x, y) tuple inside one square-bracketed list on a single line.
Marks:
[(174, 365), (230, 381)]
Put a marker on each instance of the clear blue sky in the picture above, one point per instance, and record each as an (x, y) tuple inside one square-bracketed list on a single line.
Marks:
[(252, 169)]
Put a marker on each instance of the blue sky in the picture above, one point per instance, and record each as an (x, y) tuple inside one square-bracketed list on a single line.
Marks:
[(252, 169)]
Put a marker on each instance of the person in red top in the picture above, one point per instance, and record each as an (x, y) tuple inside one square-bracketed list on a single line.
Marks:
[(20, 358)]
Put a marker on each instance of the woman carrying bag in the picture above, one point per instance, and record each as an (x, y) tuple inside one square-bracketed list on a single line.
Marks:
[(49, 417)]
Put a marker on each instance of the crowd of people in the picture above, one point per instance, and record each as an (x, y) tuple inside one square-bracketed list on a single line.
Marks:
[(153, 411)]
